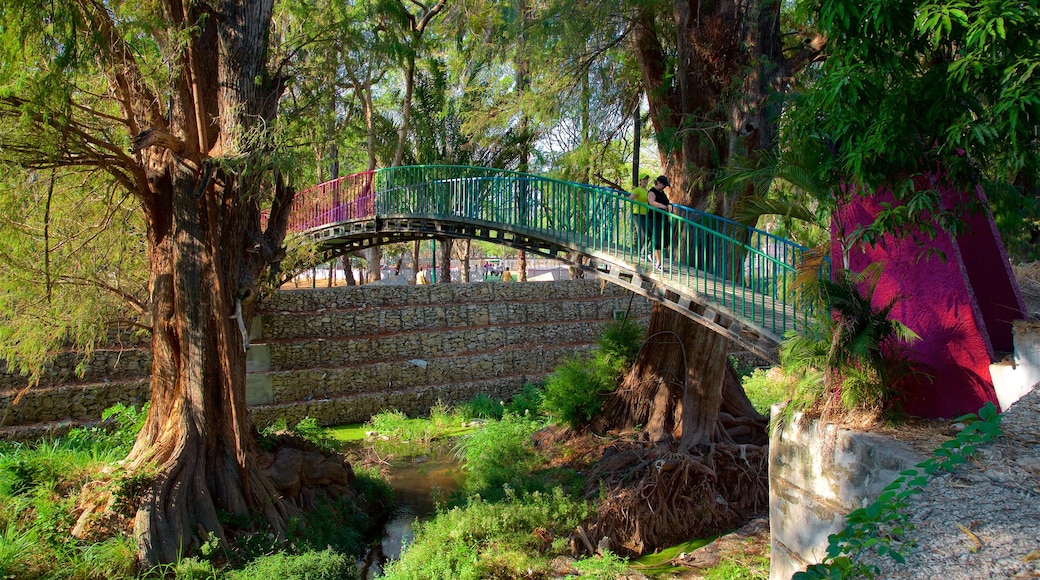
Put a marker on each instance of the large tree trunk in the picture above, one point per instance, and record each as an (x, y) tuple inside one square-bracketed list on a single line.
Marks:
[(374, 256), (198, 446), (415, 260), (464, 269), (729, 61), (198, 432), (675, 387), (347, 261), (702, 470)]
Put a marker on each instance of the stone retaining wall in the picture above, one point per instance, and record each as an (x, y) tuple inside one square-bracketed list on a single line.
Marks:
[(103, 365), (817, 474), (341, 354)]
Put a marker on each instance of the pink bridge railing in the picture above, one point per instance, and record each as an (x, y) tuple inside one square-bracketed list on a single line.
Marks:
[(346, 198)]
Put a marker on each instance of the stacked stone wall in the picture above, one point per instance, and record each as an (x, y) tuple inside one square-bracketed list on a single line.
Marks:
[(102, 365), (342, 354)]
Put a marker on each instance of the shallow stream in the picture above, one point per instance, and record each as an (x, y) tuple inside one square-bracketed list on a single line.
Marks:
[(419, 478)]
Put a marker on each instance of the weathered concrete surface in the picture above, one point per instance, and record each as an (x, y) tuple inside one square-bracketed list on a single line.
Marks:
[(1015, 376), (817, 474)]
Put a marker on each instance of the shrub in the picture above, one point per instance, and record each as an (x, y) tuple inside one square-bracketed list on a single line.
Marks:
[(483, 407), (766, 387), (499, 454), (396, 425), (511, 539), (622, 340), (528, 401), (307, 428), (575, 390)]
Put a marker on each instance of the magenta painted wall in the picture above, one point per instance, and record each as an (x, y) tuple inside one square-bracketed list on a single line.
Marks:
[(960, 298)]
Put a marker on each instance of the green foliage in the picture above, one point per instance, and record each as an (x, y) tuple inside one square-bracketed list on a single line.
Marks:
[(621, 342), (395, 424), (915, 86), (882, 526), (324, 565), (66, 287), (492, 540), (608, 566), (499, 455), (766, 387), (484, 407), (853, 346), (307, 428), (528, 401), (188, 569), (754, 568), (22, 551), (114, 436), (575, 390), (39, 486), (574, 393)]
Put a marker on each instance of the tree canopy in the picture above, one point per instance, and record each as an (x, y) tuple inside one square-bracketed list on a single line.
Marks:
[(926, 85)]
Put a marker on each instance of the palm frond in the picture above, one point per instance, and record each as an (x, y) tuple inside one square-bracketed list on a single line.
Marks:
[(750, 209)]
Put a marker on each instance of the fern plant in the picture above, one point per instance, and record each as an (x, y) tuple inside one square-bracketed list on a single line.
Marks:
[(854, 345)]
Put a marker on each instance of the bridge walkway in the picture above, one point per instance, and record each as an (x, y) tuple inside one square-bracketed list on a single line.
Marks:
[(734, 279)]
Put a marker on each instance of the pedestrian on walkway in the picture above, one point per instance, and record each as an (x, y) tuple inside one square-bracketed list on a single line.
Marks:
[(643, 241), (660, 223)]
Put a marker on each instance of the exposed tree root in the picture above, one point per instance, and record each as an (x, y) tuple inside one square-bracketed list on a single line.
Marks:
[(295, 473), (658, 498)]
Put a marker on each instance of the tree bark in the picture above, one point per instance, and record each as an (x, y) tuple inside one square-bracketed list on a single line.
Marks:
[(415, 260), (348, 269), (444, 276), (674, 389), (374, 256), (464, 270), (729, 63), (206, 252)]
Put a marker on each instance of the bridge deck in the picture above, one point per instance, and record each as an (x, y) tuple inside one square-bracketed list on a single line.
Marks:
[(739, 281)]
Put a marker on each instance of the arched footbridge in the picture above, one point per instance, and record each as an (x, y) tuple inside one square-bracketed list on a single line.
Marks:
[(736, 280)]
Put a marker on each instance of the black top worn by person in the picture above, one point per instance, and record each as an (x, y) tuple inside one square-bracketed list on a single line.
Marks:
[(659, 219)]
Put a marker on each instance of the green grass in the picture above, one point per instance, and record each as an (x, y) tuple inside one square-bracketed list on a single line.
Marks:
[(660, 562), (512, 538), (500, 455), (349, 433), (40, 486), (744, 568)]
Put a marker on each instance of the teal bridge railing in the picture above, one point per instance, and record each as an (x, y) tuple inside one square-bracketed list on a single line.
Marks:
[(719, 263)]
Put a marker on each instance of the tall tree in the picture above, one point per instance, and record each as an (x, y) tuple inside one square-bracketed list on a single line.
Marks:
[(175, 104), (712, 72)]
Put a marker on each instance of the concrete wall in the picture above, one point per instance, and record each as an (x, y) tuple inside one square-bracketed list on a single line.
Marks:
[(341, 354), (817, 474), (1015, 376)]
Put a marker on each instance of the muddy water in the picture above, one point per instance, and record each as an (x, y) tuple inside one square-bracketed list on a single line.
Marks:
[(418, 482)]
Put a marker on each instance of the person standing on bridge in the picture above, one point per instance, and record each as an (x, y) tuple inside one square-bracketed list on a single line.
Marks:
[(659, 222), (643, 241)]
